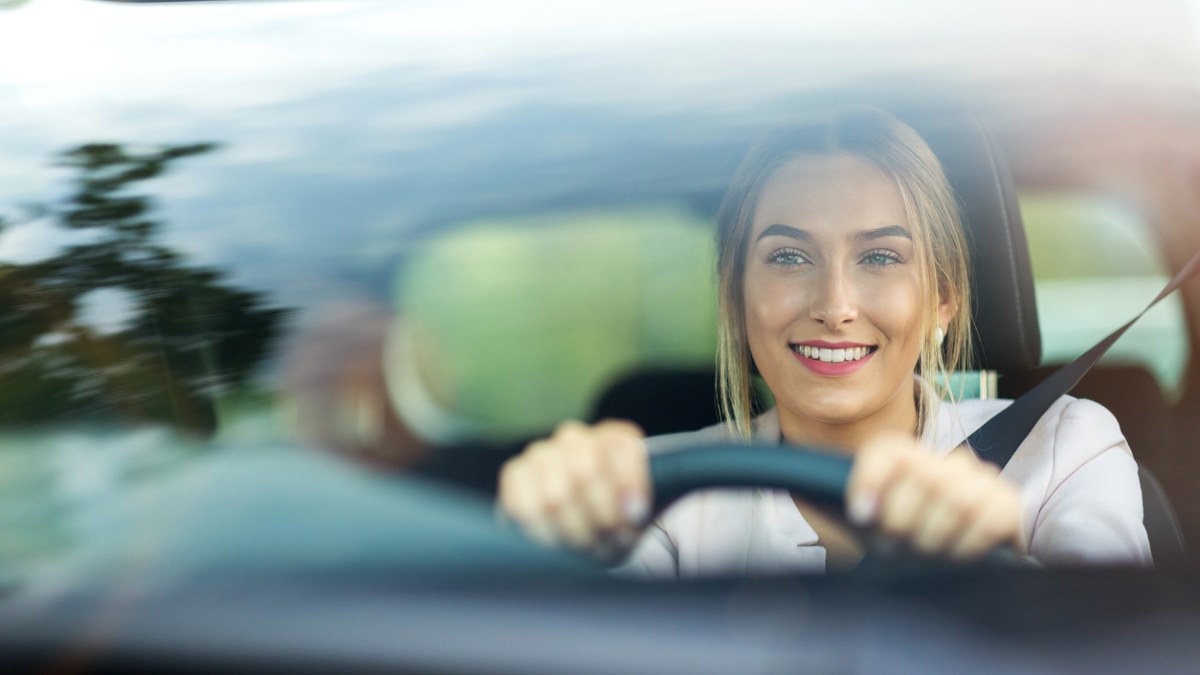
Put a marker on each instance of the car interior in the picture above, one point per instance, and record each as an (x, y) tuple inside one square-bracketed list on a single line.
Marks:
[(1007, 342), (284, 284), (218, 533)]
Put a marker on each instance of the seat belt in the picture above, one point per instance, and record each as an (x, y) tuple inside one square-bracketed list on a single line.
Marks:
[(999, 437)]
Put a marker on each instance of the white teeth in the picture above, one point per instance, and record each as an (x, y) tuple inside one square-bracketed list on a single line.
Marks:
[(833, 355)]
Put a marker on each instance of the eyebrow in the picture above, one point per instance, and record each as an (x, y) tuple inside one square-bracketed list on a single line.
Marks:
[(778, 230), (887, 231)]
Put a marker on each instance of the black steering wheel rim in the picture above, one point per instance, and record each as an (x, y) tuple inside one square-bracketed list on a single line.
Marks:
[(820, 474)]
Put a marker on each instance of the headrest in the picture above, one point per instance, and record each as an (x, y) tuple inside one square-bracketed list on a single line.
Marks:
[(1006, 337)]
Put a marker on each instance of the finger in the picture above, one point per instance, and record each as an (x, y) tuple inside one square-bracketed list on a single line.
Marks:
[(542, 532), (603, 502), (998, 523), (553, 482), (590, 505), (573, 525), (873, 467), (583, 461), (570, 431), (558, 515), (568, 489), (565, 447), (517, 489), (593, 482), (905, 498), (629, 469), (520, 499), (953, 504), (537, 448)]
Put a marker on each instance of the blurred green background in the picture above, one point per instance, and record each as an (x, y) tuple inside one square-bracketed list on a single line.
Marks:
[(528, 320)]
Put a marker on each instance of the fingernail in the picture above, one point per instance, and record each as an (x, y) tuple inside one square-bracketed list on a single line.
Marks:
[(635, 509), (861, 509)]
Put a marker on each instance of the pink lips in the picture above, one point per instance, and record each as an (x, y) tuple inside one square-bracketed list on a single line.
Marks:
[(832, 369)]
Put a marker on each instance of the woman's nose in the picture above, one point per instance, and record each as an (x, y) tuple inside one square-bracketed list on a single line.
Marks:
[(834, 300)]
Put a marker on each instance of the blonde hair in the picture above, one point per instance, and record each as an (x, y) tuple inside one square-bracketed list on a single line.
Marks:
[(929, 202)]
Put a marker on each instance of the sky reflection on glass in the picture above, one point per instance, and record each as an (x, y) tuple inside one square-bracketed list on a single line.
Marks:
[(346, 126)]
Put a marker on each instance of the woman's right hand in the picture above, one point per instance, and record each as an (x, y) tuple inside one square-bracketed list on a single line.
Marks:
[(585, 487)]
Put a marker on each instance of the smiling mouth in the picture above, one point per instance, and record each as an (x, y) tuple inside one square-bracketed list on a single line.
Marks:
[(826, 355)]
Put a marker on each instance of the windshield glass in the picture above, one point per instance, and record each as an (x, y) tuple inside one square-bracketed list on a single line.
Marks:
[(422, 234)]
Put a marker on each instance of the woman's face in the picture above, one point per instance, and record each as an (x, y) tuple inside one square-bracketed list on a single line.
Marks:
[(832, 294)]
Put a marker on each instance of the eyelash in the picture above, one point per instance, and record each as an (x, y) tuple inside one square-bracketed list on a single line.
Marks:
[(777, 257), (892, 256)]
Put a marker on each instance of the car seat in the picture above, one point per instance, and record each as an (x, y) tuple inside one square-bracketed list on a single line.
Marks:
[(1005, 312), (1134, 396)]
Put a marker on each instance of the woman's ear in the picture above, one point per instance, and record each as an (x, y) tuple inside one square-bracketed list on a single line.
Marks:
[(947, 307)]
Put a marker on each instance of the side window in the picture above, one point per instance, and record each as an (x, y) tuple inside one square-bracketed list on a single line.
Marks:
[(1095, 266), (515, 324)]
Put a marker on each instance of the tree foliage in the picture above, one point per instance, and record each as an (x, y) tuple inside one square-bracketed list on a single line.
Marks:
[(190, 337)]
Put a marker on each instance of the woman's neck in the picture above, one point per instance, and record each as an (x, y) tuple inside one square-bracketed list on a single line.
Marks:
[(899, 415)]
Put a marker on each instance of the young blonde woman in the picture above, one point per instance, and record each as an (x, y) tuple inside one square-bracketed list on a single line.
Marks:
[(844, 280)]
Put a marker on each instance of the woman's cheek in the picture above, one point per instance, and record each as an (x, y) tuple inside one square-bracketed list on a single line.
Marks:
[(894, 309), (770, 306)]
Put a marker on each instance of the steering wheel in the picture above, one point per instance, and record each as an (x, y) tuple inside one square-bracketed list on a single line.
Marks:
[(819, 474)]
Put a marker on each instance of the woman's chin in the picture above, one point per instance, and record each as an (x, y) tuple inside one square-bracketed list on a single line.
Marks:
[(831, 412)]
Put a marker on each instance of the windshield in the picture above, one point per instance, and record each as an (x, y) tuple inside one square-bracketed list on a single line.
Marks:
[(418, 235)]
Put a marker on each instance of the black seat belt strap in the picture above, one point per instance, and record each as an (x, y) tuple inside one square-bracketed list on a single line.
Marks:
[(999, 437)]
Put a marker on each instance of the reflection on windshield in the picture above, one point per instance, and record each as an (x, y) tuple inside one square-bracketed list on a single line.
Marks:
[(433, 184), (115, 348), (528, 320), (115, 324)]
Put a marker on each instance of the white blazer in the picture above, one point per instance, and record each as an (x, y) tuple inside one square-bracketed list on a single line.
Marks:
[(1082, 502)]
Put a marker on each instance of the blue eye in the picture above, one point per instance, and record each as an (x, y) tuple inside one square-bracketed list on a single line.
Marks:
[(787, 257), (881, 258)]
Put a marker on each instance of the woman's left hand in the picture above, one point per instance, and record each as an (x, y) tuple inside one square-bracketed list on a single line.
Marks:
[(956, 506)]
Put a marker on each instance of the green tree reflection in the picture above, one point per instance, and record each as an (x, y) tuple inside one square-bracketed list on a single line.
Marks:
[(189, 336)]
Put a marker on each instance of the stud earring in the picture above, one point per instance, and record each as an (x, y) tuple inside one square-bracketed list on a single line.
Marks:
[(939, 336)]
